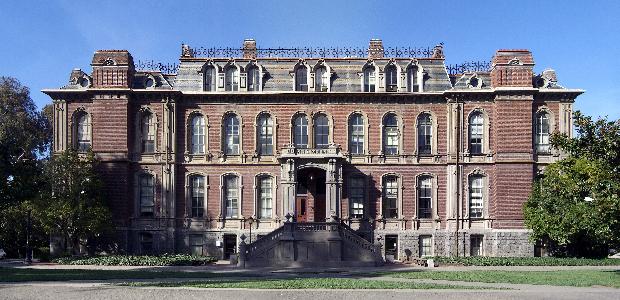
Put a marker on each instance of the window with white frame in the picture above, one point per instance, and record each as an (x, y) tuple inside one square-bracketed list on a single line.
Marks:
[(475, 245), (147, 131), (426, 245), (197, 188), (391, 78), (425, 134), (356, 196), (253, 78), (198, 134), (231, 79), (370, 79), (265, 134), (321, 131), (391, 135), (412, 79), (476, 133), (209, 79), (83, 132), (300, 131), (356, 134), (390, 197), (301, 79), (231, 135), (147, 195), (265, 201), (231, 194), (425, 197), (322, 79), (542, 133), (476, 196)]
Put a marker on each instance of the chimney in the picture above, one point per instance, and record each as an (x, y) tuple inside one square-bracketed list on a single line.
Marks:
[(512, 68), (249, 49), (112, 69), (375, 48)]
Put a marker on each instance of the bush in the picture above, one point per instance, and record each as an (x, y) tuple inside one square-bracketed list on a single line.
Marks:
[(143, 260), (525, 261)]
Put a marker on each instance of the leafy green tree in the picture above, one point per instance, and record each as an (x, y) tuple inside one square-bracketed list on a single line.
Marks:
[(72, 204), (575, 204)]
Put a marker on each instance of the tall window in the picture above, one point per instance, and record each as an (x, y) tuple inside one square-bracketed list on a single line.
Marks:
[(147, 130), (231, 192), (232, 79), (425, 134), (425, 197), (198, 135), (147, 195), (198, 196), (265, 192), (476, 133), (476, 201), (356, 197), (253, 79), (390, 197), (82, 132), (300, 131), (412, 79), (391, 135), (426, 245), (209, 79), (321, 131), (542, 133), (356, 131), (475, 245), (265, 135), (391, 78), (369, 79), (301, 79), (322, 79), (231, 132)]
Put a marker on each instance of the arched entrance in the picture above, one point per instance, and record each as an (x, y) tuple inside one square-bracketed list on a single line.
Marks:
[(310, 195)]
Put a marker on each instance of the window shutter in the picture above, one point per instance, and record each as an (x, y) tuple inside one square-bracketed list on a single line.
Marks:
[(243, 80)]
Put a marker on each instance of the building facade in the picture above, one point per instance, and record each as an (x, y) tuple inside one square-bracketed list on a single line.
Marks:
[(422, 161)]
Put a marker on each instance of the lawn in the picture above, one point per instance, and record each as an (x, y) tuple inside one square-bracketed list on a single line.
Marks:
[(580, 278), (23, 274)]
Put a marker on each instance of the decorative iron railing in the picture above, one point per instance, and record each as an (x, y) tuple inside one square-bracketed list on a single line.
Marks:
[(151, 65), (319, 52), (471, 66)]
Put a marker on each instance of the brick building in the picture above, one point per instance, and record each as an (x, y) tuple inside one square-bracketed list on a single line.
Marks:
[(401, 151)]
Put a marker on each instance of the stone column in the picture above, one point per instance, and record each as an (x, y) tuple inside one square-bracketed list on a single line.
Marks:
[(332, 193), (288, 182)]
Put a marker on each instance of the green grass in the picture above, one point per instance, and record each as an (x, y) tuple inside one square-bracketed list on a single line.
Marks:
[(303, 283), (526, 261), (23, 274), (138, 260), (580, 278)]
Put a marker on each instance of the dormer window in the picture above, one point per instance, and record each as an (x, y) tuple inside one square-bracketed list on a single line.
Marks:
[(301, 79), (322, 79), (253, 78), (209, 79), (231, 79), (370, 79), (391, 78), (413, 79)]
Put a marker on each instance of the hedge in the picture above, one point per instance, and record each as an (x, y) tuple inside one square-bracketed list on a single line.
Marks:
[(526, 261), (135, 260)]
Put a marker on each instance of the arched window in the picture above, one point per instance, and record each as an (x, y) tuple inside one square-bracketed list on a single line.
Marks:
[(425, 197), (231, 135), (253, 78), (83, 132), (425, 134), (412, 79), (357, 193), (301, 79), (390, 197), (542, 133), (369, 79), (147, 195), (300, 131), (209, 79), (356, 134), (147, 131), (265, 135), (198, 134), (391, 78), (476, 196), (231, 196), (265, 194), (476, 133), (231, 79), (322, 79), (391, 134), (321, 131), (197, 189)]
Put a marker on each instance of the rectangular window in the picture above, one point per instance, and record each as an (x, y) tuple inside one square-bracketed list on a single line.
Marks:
[(265, 201), (232, 197), (426, 245), (147, 196), (356, 197), (391, 140), (476, 245), (196, 244), (198, 196), (265, 136), (391, 247), (198, 135), (475, 197), (369, 80), (390, 198), (425, 198), (357, 135)]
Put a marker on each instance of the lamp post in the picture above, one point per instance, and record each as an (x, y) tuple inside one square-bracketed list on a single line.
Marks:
[(251, 221)]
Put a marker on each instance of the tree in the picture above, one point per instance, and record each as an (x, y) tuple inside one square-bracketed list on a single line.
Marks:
[(575, 204), (71, 204)]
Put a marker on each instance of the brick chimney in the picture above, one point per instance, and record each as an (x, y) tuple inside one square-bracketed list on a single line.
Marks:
[(375, 48), (512, 68), (249, 49), (112, 69)]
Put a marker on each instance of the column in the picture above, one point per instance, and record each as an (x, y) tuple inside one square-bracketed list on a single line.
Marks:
[(288, 182), (332, 194)]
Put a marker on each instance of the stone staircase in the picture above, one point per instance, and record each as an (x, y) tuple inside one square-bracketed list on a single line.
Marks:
[(313, 244)]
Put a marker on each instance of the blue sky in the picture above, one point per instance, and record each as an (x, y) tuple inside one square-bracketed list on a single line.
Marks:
[(44, 40)]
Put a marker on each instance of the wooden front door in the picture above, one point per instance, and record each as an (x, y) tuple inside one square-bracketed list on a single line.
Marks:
[(302, 208)]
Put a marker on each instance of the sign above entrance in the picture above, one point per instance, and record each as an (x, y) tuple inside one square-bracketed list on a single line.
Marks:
[(291, 152)]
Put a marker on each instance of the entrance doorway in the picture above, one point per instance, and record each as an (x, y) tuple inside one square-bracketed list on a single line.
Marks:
[(310, 198), (230, 245)]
